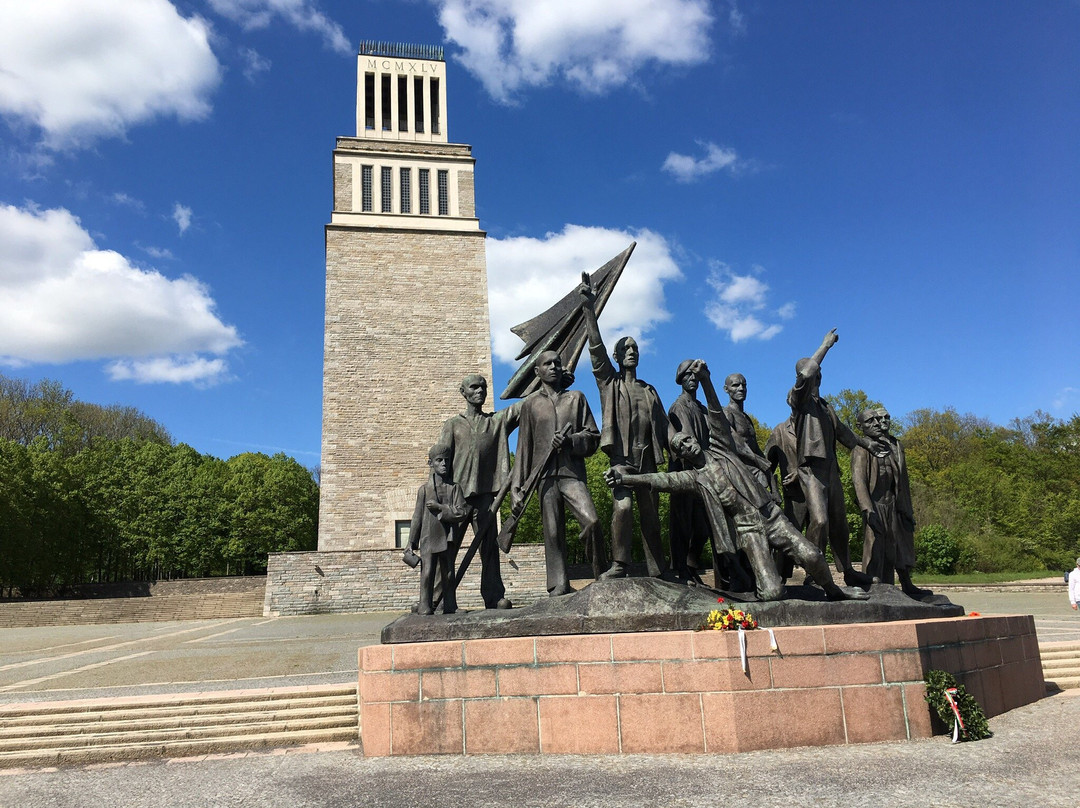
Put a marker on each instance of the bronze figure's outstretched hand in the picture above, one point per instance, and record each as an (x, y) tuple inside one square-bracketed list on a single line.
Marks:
[(586, 290)]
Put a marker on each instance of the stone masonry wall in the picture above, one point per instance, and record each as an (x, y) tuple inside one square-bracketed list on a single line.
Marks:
[(343, 192), (466, 193), (377, 581), (167, 600), (406, 320)]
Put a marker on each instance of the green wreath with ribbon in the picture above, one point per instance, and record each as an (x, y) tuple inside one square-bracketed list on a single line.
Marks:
[(956, 707)]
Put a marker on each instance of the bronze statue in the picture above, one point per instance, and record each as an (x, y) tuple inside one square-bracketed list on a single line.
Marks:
[(729, 491), (742, 428), (817, 429), (481, 461), (634, 437), (556, 432), (439, 506), (782, 452), (783, 456), (884, 497), (689, 523)]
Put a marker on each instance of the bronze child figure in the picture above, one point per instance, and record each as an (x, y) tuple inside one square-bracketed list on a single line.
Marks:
[(439, 506)]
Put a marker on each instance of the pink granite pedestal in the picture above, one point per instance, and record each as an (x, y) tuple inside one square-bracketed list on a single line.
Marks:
[(685, 691)]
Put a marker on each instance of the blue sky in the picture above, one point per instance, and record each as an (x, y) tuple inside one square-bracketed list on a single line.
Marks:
[(906, 172)]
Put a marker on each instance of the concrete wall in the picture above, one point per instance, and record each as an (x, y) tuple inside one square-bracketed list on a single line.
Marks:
[(377, 581), (190, 599)]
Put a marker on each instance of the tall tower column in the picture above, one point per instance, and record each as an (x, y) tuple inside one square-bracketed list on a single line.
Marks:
[(406, 296)]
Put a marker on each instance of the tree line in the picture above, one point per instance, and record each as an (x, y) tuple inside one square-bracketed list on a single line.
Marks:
[(96, 494)]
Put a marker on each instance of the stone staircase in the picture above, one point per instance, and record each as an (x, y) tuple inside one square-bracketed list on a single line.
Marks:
[(1061, 665), (175, 725)]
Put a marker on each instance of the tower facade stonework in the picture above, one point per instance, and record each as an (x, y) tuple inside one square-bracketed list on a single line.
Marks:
[(406, 297)]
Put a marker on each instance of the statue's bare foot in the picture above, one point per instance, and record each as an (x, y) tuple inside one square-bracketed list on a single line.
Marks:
[(846, 593)]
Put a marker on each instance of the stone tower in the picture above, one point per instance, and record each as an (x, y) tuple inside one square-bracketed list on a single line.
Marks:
[(406, 296)]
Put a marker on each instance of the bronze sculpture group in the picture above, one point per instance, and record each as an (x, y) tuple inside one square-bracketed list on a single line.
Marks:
[(723, 486)]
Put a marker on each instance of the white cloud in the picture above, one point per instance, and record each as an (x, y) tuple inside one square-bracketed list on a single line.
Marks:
[(527, 275), (303, 15), (593, 44), (66, 300), (157, 252), (175, 370), (740, 305), (744, 290), (1064, 396), (126, 200), (736, 19), (254, 63), (81, 69), (181, 214), (717, 158)]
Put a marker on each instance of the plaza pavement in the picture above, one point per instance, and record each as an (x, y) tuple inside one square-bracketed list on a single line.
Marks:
[(1032, 760), (101, 661)]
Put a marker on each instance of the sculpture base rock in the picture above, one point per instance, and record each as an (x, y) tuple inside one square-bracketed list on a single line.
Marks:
[(649, 604)]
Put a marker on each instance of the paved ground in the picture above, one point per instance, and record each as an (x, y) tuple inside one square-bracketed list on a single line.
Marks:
[(70, 662), (1032, 760), (1054, 620)]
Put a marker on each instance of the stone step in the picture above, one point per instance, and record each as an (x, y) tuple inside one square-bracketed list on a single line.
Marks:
[(205, 700), (176, 725), (149, 712), (1061, 662), (1059, 654), (134, 735), (1062, 683), (171, 749), (1062, 673), (114, 723)]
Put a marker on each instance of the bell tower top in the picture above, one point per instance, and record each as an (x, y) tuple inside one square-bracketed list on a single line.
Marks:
[(401, 92)]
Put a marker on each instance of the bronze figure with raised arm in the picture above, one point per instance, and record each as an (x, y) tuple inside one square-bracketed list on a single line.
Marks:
[(817, 431), (634, 436)]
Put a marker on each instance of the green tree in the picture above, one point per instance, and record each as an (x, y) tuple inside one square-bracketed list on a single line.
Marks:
[(274, 506), (848, 404)]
